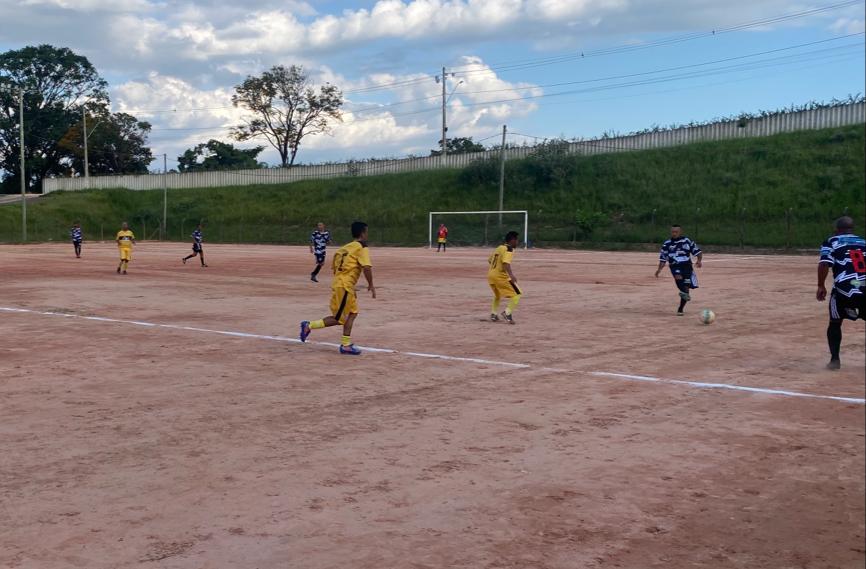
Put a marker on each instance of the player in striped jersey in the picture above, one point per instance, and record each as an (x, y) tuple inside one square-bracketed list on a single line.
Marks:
[(677, 252), (196, 246), (319, 241), (76, 235), (845, 253)]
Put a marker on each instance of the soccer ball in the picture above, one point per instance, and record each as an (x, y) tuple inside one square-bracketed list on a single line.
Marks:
[(707, 316)]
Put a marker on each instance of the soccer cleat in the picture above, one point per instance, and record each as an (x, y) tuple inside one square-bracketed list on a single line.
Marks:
[(183, 260), (685, 296), (124, 272), (118, 270), (834, 364), (313, 278), (680, 313), (494, 318), (508, 318), (203, 265), (350, 350), (305, 330)]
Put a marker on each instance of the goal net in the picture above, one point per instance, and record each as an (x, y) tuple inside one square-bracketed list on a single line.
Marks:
[(468, 228)]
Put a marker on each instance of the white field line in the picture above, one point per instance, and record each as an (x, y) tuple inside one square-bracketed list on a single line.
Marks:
[(605, 374)]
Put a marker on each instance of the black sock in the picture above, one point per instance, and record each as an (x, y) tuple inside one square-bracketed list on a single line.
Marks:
[(683, 302), (834, 338), (316, 270)]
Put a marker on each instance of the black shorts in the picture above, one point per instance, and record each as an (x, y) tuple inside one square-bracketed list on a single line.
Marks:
[(687, 272), (320, 258), (196, 247), (845, 308)]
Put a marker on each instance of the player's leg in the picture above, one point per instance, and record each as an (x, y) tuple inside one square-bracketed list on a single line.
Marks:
[(340, 306), (188, 257), (126, 256), (346, 345), (514, 298), (201, 256), (120, 265), (320, 262), (494, 307)]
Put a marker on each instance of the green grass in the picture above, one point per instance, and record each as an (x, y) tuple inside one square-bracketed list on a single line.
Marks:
[(773, 192)]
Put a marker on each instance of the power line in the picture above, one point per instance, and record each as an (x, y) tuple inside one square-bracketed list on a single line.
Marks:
[(524, 64)]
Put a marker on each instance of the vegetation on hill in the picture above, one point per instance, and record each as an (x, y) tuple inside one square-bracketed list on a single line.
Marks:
[(776, 191)]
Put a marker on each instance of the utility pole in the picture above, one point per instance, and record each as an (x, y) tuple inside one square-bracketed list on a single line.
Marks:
[(502, 174), (444, 124), (86, 161), (23, 179), (164, 195)]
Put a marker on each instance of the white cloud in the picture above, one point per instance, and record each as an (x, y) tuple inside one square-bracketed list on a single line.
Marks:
[(367, 130), (849, 25)]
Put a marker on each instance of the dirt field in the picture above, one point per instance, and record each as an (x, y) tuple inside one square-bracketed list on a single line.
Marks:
[(556, 443)]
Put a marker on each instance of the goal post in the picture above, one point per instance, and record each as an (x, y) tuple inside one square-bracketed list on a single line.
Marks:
[(522, 212)]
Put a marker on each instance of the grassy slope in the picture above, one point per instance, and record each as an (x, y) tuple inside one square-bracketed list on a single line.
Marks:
[(723, 192)]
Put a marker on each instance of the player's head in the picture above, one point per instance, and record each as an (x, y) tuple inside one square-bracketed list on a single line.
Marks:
[(511, 238), (124, 226), (320, 226), (844, 225), (441, 225), (198, 225), (676, 230), (76, 224), (359, 231)]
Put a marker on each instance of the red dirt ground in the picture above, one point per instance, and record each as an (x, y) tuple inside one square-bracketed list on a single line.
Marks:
[(133, 446)]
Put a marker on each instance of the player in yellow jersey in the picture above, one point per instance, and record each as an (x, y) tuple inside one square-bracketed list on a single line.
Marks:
[(125, 240), (501, 279), (350, 261)]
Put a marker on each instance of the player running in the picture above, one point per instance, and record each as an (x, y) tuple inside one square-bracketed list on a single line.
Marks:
[(125, 240), (196, 246), (501, 279), (349, 262), (846, 254), (76, 235), (319, 241), (677, 252), (442, 238)]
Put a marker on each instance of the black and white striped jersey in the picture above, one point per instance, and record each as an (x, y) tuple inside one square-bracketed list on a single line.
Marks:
[(847, 255), (75, 233), (196, 236), (320, 240), (679, 250)]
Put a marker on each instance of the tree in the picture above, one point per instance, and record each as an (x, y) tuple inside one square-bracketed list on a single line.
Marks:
[(286, 109), (56, 82), (216, 155), (117, 144), (460, 146)]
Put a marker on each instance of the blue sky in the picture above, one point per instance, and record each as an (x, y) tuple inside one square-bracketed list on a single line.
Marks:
[(160, 55)]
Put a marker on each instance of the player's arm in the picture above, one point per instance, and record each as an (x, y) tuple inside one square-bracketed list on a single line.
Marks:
[(312, 252), (823, 270), (368, 274), (699, 255), (507, 268)]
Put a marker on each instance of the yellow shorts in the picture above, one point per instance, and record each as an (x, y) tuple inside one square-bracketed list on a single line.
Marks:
[(344, 301), (442, 240), (125, 253), (504, 289)]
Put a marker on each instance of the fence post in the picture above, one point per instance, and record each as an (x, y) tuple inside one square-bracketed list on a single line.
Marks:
[(101, 232), (697, 222), (742, 228), (654, 225), (788, 228)]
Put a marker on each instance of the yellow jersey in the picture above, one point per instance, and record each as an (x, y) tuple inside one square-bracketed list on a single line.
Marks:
[(501, 255), (124, 239), (349, 262)]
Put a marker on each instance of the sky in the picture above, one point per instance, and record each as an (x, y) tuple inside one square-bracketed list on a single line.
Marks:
[(544, 68)]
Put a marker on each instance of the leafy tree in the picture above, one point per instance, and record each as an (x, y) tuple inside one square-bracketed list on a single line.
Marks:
[(460, 145), (286, 109), (56, 81), (117, 144), (216, 155)]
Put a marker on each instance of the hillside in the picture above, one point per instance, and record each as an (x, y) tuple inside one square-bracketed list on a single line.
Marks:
[(768, 192)]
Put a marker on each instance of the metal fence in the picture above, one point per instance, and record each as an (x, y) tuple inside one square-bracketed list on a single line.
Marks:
[(840, 115)]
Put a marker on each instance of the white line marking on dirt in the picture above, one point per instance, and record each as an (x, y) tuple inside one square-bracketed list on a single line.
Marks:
[(646, 378)]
